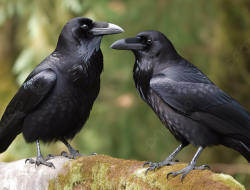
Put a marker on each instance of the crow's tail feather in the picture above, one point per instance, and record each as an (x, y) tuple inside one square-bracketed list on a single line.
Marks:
[(6, 141), (246, 153)]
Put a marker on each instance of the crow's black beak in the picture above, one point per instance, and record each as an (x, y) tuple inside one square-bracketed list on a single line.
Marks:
[(103, 28), (129, 44)]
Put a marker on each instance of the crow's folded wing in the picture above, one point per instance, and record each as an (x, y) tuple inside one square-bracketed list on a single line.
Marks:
[(205, 103), (30, 94), (186, 72)]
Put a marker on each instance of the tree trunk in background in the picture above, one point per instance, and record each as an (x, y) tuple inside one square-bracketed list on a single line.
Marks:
[(105, 172)]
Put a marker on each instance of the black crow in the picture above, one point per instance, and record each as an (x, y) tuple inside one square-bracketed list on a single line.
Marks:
[(190, 105), (55, 100)]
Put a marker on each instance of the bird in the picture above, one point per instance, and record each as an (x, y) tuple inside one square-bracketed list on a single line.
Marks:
[(55, 100), (186, 101)]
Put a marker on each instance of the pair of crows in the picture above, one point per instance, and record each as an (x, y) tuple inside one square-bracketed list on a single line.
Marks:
[(55, 100)]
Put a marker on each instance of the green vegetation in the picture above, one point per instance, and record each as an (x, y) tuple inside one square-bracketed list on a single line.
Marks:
[(213, 35)]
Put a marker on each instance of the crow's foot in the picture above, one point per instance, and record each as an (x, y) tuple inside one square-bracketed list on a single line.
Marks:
[(186, 170), (41, 160), (153, 166), (74, 153)]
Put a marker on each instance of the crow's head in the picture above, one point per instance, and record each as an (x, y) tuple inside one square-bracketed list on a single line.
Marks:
[(84, 33), (150, 44)]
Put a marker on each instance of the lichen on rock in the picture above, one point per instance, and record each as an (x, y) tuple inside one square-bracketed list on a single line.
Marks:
[(227, 180)]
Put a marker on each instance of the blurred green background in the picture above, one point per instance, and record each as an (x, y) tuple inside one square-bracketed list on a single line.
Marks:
[(213, 35)]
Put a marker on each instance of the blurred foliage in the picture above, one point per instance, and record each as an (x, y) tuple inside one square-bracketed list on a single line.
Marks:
[(213, 35)]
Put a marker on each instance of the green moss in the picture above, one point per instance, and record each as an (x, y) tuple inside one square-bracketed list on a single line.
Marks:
[(228, 181), (74, 176), (99, 176), (105, 172), (52, 183), (68, 180)]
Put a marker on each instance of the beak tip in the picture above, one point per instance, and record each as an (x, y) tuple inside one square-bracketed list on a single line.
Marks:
[(128, 44), (112, 46), (117, 44), (121, 30), (116, 28)]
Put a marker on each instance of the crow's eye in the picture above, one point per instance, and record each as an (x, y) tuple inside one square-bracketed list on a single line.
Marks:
[(84, 27), (149, 41)]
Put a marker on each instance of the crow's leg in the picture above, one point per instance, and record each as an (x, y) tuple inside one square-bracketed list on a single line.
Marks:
[(73, 153), (39, 158), (166, 162), (190, 166)]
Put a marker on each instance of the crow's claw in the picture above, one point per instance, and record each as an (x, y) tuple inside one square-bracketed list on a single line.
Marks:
[(70, 156), (186, 170), (146, 163), (152, 166), (30, 160), (203, 167), (150, 169), (40, 160), (91, 154), (49, 156), (75, 153), (169, 174)]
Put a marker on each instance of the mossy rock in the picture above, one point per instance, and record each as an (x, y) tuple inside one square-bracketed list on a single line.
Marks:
[(105, 172)]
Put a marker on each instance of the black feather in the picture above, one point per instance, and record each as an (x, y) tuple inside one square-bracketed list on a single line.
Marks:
[(55, 100), (193, 108)]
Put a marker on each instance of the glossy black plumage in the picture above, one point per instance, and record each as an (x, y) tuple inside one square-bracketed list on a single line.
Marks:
[(55, 100), (194, 109)]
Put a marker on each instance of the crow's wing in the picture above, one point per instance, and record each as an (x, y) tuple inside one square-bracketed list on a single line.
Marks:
[(30, 94), (186, 72), (204, 102), (44, 65)]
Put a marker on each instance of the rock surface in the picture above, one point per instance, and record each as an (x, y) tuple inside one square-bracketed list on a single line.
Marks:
[(105, 172), (20, 176)]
